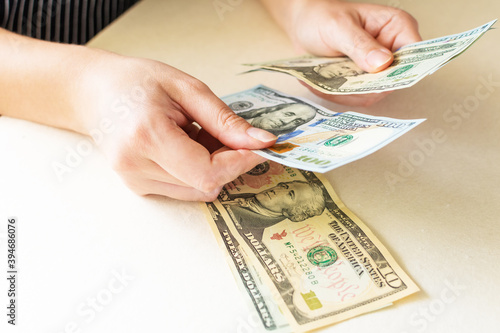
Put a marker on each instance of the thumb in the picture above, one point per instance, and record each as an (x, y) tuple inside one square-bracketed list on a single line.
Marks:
[(355, 42), (221, 122)]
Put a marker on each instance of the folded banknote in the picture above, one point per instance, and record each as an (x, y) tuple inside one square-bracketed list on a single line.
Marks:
[(340, 75), (301, 258)]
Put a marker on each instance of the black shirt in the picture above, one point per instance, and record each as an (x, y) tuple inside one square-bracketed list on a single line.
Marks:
[(66, 21)]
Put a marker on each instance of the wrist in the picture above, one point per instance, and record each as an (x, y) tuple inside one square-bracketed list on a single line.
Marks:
[(87, 84)]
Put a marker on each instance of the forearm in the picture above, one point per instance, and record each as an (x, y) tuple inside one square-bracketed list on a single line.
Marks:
[(39, 81)]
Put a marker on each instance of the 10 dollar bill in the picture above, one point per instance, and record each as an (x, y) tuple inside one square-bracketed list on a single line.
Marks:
[(303, 259)]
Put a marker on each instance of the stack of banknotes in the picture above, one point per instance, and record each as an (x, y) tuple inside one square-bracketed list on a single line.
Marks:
[(340, 75), (299, 255)]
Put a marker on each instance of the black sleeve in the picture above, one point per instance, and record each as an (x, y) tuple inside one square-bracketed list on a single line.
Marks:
[(65, 21)]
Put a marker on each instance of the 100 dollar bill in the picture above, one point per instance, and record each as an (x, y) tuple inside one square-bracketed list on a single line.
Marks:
[(311, 137), (303, 258), (340, 75)]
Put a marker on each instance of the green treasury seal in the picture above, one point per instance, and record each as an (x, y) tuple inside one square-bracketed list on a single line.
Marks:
[(322, 256), (400, 70), (339, 140)]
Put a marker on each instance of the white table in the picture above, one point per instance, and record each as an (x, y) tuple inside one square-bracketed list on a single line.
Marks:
[(94, 257)]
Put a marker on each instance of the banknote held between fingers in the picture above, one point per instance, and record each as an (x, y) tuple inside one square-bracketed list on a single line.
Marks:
[(156, 147), (378, 59), (367, 33), (200, 104)]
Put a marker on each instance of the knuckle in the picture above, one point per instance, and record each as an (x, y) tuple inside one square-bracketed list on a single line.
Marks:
[(139, 191), (208, 184), (194, 85), (141, 137), (209, 197), (126, 157), (123, 164), (213, 180), (228, 119), (342, 17), (412, 20), (360, 42), (135, 186), (404, 17)]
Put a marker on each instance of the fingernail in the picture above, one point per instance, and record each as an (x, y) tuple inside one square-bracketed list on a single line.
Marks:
[(261, 135), (378, 58)]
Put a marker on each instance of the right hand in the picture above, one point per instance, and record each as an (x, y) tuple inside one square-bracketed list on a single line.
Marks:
[(367, 33)]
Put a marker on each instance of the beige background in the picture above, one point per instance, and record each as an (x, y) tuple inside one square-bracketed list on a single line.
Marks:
[(433, 201)]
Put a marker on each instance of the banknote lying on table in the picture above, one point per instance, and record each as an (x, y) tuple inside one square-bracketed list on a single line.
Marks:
[(311, 137), (340, 75), (301, 258)]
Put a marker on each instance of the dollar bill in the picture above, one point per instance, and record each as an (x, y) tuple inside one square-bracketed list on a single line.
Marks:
[(311, 137), (303, 259), (340, 75)]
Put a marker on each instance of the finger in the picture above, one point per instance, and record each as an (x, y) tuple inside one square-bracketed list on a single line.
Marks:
[(393, 27), (351, 100), (191, 163), (153, 187), (134, 171), (350, 38), (408, 35), (217, 118), (229, 164), (154, 180), (157, 173)]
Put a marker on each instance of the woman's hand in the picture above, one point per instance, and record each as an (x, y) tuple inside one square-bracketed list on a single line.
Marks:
[(366, 33), (156, 146), (142, 113)]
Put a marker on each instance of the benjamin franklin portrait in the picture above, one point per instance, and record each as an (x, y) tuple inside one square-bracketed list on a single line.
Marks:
[(280, 119)]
